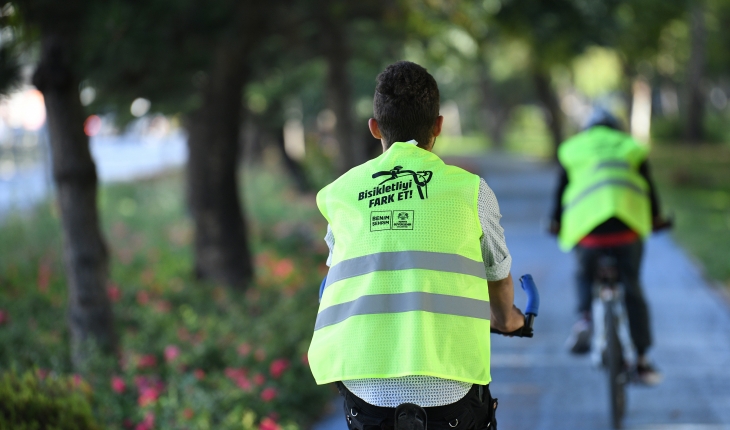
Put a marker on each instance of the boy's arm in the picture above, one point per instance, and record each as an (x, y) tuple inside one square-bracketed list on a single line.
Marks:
[(505, 315), (497, 261)]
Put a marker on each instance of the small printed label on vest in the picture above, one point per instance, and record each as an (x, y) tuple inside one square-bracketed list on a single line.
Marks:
[(402, 220), (391, 220), (381, 220)]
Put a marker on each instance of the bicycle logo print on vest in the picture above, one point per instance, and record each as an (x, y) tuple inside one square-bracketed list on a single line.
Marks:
[(398, 191)]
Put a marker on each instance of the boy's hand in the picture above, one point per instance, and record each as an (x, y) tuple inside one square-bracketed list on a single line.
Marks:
[(513, 320)]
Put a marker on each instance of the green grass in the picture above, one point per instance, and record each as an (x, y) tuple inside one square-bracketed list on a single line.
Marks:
[(694, 185), (226, 344)]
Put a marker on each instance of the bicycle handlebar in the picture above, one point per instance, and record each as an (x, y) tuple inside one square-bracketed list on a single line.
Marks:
[(662, 224), (531, 309)]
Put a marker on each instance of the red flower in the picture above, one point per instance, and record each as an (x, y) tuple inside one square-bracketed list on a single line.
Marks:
[(283, 268), (171, 353), (118, 384), (148, 423), (243, 383), (44, 276), (278, 367), (239, 377), (143, 298), (146, 361), (305, 359), (199, 374), (269, 424), (187, 413), (114, 293), (268, 394), (148, 395), (4, 317)]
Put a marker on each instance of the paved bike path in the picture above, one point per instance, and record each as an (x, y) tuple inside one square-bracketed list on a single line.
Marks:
[(541, 386)]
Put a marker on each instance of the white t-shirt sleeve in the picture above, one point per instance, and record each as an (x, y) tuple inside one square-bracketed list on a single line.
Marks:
[(329, 239), (497, 260)]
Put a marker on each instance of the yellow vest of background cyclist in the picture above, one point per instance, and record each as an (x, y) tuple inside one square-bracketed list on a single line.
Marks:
[(603, 182), (406, 293)]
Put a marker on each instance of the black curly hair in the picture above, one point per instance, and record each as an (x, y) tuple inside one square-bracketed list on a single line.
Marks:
[(406, 103)]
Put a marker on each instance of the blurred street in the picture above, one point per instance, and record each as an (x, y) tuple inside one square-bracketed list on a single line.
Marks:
[(118, 158), (541, 386)]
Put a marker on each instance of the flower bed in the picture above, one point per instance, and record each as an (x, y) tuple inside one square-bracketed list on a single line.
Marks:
[(192, 355)]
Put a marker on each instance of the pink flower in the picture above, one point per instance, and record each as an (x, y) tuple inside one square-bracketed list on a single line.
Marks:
[(43, 373), (148, 395), (171, 353), (143, 297), (278, 367), (258, 379), (199, 374), (243, 383), (268, 394), (147, 361), (269, 424), (244, 349), (77, 380), (148, 423), (239, 377), (4, 317), (114, 293), (118, 384)]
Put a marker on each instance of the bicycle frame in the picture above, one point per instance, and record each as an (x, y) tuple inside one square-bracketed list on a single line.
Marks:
[(611, 343)]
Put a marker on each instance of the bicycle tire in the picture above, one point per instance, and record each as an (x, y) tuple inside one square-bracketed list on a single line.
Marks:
[(616, 369)]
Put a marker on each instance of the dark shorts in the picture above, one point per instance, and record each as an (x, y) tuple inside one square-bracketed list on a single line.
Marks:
[(469, 413)]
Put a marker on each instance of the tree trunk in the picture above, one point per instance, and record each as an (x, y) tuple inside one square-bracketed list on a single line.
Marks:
[(549, 100), (495, 115), (221, 240), (339, 95), (295, 170), (698, 55), (74, 173)]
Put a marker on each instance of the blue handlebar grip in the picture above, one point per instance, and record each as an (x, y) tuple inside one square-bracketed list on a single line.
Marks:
[(321, 288), (533, 297)]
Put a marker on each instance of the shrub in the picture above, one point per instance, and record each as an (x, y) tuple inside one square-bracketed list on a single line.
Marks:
[(33, 400)]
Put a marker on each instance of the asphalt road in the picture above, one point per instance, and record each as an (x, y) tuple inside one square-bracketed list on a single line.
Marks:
[(541, 386)]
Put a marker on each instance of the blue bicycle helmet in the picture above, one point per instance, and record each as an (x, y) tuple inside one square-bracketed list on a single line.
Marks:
[(601, 116)]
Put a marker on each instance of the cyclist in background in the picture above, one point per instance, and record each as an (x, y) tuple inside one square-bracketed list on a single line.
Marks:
[(405, 310), (606, 199)]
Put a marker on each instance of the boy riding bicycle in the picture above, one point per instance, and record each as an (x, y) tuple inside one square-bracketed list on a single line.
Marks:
[(605, 201), (419, 271)]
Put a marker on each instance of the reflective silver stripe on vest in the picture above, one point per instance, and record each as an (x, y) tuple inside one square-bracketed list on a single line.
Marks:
[(617, 182), (404, 302), (403, 260), (613, 165)]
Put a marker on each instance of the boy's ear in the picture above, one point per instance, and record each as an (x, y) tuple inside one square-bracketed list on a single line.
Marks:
[(374, 129), (438, 125)]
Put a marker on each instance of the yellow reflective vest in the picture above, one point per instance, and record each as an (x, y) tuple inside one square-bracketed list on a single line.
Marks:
[(603, 182), (406, 293)]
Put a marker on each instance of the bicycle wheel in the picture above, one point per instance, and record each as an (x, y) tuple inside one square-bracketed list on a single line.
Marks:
[(616, 369)]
